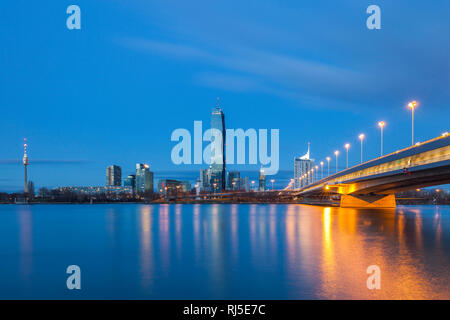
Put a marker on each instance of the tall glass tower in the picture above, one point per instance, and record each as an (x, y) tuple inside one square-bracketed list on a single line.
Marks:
[(218, 154), (302, 166), (113, 176), (144, 178)]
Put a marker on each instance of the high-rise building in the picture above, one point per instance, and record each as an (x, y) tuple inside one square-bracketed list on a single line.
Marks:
[(113, 176), (217, 181), (245, 184), (144, 178), (262, 180), (234, 180), (205, 178), (302, 166), (130, 181)]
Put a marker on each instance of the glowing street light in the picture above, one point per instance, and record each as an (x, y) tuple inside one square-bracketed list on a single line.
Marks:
[(321, 169), (272, 180), (361, 137), (253, 185), (328, 159), (412, 105), (336, 153), (347, 146), (381, 124)]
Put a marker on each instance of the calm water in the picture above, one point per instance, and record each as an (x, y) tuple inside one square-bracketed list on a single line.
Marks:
[(223, 251)]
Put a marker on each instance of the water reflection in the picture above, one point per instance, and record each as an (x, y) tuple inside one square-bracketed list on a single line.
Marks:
[(26, 243), (236, 251), (146, 251)]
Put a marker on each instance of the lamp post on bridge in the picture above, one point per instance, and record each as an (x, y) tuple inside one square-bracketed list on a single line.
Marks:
[(381, 124), (321, 169), (361, 137), (328, 160), (347, 146), (412, 105), (337, 155)]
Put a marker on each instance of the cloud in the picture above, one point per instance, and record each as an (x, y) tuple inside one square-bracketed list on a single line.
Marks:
[(242, 69)]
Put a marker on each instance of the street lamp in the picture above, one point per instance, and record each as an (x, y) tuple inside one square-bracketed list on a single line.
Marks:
[(253, 185), (321, 169), (361, 137), (336, 153), (381, 124), (328, 159), (412, 105), (347, 146), (272, 180)]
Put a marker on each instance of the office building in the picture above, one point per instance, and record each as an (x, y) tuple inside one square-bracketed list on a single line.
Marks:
[(170, 187), (113, 176), (217, 181), (302, 166), (262, 180), (205, 178), (234, 182), (144, 178), (130, 181), (244, 184)]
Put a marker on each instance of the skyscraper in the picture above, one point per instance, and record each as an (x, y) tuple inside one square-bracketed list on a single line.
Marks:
[(218, 151), (144, 178), (113, 176), (234, 180), (130, 181), (245, 184), (205, 179), (262, 180), (302, 166)]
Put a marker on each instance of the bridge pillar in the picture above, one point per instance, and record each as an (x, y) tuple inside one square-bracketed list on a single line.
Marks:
[(368, 201)]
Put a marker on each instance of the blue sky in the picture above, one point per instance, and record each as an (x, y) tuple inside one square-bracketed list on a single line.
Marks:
[(114, 91)]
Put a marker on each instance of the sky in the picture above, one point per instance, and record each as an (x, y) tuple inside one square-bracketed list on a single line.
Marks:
[(114, 91)]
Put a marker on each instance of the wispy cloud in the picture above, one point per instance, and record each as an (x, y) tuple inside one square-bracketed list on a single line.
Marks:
[(243, 69)]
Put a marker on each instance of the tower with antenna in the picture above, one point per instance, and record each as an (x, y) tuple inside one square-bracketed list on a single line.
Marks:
[(25, 164)]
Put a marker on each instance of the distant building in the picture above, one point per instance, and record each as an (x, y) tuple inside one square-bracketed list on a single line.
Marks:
[(113, 176), (244, 184), (185, 186), (205, 178), (262, 180), (217, 181), (234, 182), (170, 187), (302, 166), (144, 178), (31, 191), (92, 191), (130, 181)]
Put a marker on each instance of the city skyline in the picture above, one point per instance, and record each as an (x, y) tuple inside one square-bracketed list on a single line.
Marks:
[(154, 85)]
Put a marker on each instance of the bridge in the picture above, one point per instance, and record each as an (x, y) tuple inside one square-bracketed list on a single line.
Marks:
[(373, 184)]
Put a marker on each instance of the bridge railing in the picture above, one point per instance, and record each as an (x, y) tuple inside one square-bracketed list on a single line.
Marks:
[(432, 151)]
